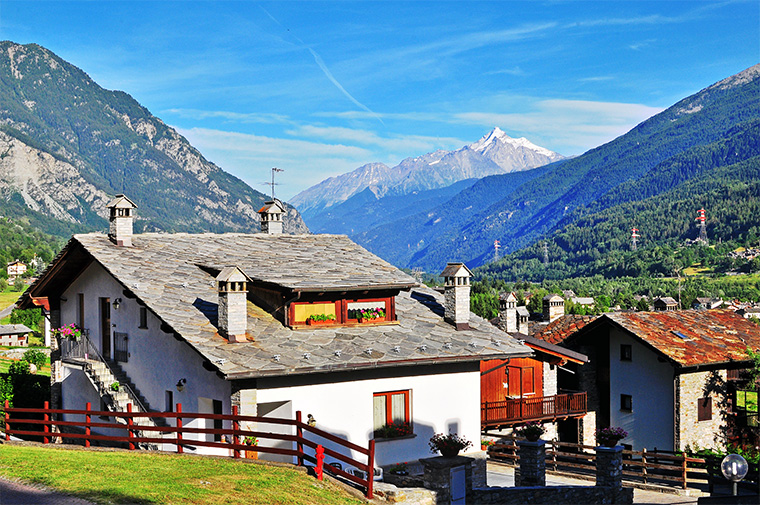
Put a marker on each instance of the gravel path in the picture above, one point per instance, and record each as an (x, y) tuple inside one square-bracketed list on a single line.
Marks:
[(16, 493)]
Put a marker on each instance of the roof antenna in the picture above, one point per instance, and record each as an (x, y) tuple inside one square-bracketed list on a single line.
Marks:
[(273, 184)]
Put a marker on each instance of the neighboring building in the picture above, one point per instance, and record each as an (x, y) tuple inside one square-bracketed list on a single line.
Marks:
[(15, 269), (654, 373), (14, 335), (706, 303), (749, 312), (553, 307), (216, 320), (665, 303)]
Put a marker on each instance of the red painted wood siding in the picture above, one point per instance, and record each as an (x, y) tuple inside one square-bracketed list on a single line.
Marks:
[(524, 377)]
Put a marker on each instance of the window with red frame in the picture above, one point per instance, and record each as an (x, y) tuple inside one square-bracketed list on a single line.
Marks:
[(391, 416)]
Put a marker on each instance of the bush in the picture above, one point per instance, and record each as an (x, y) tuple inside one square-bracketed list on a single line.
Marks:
[(36, 357)]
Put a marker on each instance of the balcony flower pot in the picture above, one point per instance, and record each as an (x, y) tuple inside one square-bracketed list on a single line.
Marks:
[(313, 322), (532, 437), (449, 452)]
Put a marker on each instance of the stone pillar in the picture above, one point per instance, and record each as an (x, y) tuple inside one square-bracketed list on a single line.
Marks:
[(437, 476), (609, 466), (532, 463)]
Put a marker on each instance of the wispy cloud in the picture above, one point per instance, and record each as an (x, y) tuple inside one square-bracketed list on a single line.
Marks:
[(642, 44), (599, 78), (517, 71), (410, 144), (239, 117)]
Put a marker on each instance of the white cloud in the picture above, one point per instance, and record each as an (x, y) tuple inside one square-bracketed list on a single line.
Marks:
[(411, 144), (265, 118)]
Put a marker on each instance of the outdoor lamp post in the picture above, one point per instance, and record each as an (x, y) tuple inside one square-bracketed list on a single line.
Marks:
[(734, 468)]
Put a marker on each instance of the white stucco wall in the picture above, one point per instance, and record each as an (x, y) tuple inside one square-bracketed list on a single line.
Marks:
[(156, 359), (440, 403), (650, 383)]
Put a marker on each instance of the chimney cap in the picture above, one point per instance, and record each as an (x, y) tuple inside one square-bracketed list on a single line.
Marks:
[(456, 270), (274, 206), (232, 274), (553, 298), (121, 202)]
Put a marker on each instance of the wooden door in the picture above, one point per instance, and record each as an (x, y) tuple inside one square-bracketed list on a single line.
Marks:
[(105, 327)]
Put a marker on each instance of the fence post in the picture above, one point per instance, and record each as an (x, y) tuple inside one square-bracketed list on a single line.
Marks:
[(555, 448), (299, 438), (87, 420), (45, 427), (320, 461), (129, 428), (683, 470), (7, 420), (644, 463), (371, 472), (180, 449), (235, 429)]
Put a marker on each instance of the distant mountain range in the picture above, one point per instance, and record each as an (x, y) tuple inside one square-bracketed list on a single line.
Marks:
[(495, 153), (67, 146), (650, 161)]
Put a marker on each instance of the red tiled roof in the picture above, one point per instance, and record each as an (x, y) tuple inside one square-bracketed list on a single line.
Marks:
[(693, 337), (559, 329)]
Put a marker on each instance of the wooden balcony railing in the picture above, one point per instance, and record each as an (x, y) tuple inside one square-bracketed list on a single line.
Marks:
[(541, 408)]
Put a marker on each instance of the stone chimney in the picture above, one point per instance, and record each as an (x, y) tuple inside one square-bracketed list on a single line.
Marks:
[(271, 217), (233, 312), (554, 307), (121, 214), (522, 319), (508, 312), (456, 292)]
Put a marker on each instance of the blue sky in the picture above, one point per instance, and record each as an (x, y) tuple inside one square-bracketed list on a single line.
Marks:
[(319, 89)]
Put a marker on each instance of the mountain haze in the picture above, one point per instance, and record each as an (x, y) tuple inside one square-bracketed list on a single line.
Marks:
[(67, 146)]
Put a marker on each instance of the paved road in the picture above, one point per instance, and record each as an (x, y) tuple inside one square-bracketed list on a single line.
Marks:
[(7, 312), (15, 493), (504, 476)]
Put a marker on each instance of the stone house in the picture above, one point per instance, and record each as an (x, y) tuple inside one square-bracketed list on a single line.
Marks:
[(14, 335), (270, 323), (661, 376), (665, 303)]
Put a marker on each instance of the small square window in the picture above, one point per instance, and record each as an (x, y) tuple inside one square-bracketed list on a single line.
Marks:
[(626, 403), (704, 409), (626, 352), (144, 317)]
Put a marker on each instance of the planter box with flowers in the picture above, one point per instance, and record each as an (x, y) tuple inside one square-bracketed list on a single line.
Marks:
[(320, 319), (371, 315), (448, 445), (394, 430), (609, 437), (532, 431), (69, 331)]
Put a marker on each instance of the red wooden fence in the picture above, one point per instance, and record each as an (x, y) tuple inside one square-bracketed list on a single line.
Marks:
[(134, 437)]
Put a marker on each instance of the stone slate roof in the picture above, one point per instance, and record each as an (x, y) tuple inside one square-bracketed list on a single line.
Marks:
[(692, 337), (558, 330), (164, 271), (14, 329)]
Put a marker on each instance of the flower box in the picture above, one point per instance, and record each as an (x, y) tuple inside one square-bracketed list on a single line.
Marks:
[(314, 322)]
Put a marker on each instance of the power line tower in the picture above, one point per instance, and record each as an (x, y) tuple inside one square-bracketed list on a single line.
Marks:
[(496, 246), (546, 254), (273, 184), (702, 226), (634, 236)]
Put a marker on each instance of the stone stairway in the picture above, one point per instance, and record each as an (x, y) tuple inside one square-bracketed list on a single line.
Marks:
[(103, 375)]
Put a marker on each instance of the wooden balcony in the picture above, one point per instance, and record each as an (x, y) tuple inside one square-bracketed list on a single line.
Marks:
[(515, 411)]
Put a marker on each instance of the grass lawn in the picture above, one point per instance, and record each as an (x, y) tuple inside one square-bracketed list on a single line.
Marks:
[(142, 478), (8, 298)]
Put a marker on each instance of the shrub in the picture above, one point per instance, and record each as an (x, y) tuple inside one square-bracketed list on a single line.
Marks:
[(36, 357)]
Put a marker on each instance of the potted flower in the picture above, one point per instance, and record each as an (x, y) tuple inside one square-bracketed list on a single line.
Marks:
[(609, 437), (399, 469), (69, 331), (531, 431), (485, 444), (115, 386), (448, 445), (251, 441), (320, 319)]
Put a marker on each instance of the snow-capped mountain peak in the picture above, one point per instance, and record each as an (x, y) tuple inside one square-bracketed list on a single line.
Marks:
[(495, 134)]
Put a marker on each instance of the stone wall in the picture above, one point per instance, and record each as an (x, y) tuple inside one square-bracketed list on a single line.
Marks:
[(588, 428), (689, 389), (552, 494)]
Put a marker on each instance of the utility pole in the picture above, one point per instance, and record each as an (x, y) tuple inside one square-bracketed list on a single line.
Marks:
[(702, 226), (496, 246), (634, 235)]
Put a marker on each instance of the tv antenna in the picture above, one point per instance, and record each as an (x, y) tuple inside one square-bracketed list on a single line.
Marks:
[(273, 184)]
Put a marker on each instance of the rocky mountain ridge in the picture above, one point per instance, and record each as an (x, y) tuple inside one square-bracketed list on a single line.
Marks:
[(67, 146), (494, 153)]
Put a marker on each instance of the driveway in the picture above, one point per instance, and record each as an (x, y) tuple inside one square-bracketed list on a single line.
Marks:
[(16, 493)]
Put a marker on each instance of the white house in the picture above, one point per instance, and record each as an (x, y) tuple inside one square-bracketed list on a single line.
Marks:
[(662, 376), (216, 320)]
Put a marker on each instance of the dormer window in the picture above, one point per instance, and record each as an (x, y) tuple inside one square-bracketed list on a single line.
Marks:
[(345, 311)]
